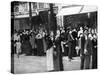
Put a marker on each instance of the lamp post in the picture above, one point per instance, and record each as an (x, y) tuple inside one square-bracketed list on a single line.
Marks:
[(88, 14), (52, 19), (48, 21), (30, 15)]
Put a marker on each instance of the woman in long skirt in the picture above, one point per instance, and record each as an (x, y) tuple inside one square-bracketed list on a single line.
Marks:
[(26, 45), (39, 43), (49, 53)]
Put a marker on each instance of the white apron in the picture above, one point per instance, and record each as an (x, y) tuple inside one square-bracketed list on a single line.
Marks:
[(49, 55)]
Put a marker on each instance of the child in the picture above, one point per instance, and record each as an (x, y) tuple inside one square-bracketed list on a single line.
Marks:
[(18, 48)]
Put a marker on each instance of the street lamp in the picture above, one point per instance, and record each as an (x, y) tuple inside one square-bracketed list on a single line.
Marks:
[(88, 14)]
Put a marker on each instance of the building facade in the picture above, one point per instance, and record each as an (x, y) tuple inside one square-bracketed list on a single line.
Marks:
[(20, 13)]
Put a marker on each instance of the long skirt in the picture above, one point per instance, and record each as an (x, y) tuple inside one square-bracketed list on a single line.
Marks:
[(49, 55), (94, 58), (26, 47), (40, 50), (58, 61), (44, 45)]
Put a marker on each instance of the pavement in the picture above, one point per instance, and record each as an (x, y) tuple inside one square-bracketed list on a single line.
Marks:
[(37, 64)]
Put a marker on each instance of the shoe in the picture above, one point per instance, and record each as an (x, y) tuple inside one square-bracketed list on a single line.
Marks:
[(69, 60), (72, 59)]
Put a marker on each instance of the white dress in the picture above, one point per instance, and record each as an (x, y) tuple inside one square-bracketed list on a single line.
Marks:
[(49, 55), (18, 47)]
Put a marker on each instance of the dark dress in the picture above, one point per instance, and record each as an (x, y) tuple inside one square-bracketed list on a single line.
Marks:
[(40, 50), (94, 54), (82, 52), (26, 45), (58, 62)]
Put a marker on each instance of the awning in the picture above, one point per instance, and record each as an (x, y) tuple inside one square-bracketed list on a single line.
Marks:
[(25, 15), (76, 10)]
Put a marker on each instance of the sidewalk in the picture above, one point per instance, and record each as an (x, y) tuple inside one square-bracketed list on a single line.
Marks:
[(31, 64)]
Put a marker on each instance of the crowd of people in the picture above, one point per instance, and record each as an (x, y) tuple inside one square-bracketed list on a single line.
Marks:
[(85, 43), (29, 42), (71, 42)]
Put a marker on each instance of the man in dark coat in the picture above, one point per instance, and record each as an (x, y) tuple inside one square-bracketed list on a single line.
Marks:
[(94, 54), (88, 51), (82, 55), (58, 61), (74, 35), (70, 45)]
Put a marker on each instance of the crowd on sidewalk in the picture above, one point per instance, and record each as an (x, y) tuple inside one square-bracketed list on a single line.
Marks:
[(71, 42)]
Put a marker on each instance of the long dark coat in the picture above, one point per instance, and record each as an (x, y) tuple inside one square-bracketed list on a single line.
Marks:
[(94, 54), (58, 61)]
